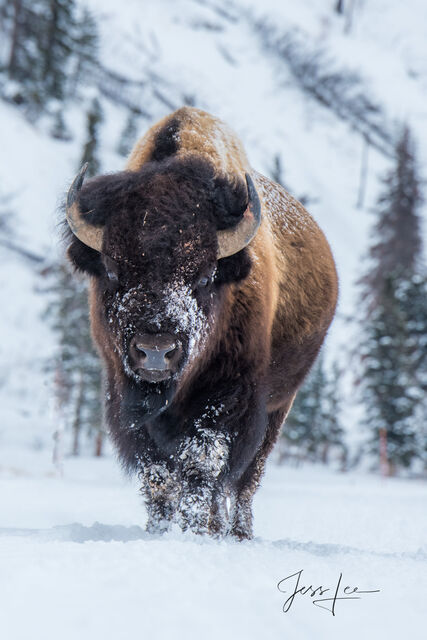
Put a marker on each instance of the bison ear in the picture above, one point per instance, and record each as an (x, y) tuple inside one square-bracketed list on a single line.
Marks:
[(96, 201), (102, 196), (85, 259), (234, 268), (230, 201)]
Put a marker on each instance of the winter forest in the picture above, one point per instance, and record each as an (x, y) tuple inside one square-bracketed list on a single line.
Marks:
[(330, 100)]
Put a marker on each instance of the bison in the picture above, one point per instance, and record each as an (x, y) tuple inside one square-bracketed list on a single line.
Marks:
[(211, 290)]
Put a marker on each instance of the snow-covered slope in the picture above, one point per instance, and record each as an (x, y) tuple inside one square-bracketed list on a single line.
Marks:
[(211, 53), (207, 52)]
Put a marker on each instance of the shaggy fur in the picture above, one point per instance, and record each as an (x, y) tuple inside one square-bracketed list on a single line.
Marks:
[(199, 440)]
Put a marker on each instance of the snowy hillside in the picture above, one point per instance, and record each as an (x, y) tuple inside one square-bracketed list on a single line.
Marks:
[(213, 54), (224, 57)]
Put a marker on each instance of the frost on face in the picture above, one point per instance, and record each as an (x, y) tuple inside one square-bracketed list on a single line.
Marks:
[(123, 308), (182, 308), (180, 313)]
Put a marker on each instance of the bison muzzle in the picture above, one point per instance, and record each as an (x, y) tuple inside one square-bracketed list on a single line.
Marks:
[(211, 290)]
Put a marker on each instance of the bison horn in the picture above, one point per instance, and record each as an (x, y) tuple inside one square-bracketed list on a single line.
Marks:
[(85, 232), (230, 241)]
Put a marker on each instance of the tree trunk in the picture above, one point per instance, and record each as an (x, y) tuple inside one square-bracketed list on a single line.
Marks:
[(363, 173), (384, 463), (349, 16), (325, 453), (99, 441), (17, 6), (339, 7), (77, 422), (60, 398), (50, 47)]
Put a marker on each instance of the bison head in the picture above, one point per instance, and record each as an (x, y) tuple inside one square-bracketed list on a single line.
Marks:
[(161, 244)]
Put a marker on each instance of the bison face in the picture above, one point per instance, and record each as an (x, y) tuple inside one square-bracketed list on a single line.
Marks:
[(158, 314), (152, 241)]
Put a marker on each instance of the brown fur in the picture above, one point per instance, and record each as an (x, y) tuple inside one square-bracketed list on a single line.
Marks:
[(271, 324), (293, 284), (290, 296)]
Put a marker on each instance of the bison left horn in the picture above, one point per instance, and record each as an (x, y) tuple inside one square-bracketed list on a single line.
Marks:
[(85, 232), (230, 241)]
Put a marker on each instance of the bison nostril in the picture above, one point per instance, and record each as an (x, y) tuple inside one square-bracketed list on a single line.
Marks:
[(141, 351), (154, 352), (169, 354)]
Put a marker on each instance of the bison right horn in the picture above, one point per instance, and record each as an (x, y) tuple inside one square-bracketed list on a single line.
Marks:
[(85, 232), (231, 241)]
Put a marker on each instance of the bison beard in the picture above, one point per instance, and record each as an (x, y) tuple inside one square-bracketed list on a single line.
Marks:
[(176, 269)]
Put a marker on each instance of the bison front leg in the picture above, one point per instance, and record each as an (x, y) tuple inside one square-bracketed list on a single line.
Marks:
[(249, 482), (202, 461), (161, 491)]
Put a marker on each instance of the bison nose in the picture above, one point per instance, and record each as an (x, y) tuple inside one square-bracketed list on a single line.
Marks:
[(154, 352)]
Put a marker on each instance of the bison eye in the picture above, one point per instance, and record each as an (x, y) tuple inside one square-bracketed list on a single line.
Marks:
[(203, 282), (111, 269), (112, 276)]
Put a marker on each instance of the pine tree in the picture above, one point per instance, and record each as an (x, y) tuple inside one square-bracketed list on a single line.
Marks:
[(313, 429), (41, 40), (90, 150), (297, 435), (5, 216), (332, 435), (76, 364), (397, 249), (415, 293), (57, 45), (393, 347), (86, 43), (59, 129), (22, 25)]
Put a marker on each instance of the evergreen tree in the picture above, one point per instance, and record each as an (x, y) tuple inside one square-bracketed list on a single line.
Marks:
[(90, 150), (59, 129), (297, 435), (415, 293), (313, 429), (393, 347), (57, 45), (332, 433), (41, 39), (22, 26), (5, 215), (86, 48), (397, 249), (76, 364)]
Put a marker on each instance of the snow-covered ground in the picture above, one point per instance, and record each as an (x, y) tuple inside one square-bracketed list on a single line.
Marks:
[(61, 575), (76, 563)]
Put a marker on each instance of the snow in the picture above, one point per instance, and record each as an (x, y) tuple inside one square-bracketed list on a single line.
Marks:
[(182, 308), (76, 561), (181, 45)]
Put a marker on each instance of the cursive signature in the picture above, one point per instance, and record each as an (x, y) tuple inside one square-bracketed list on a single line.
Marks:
[(316, 593)]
